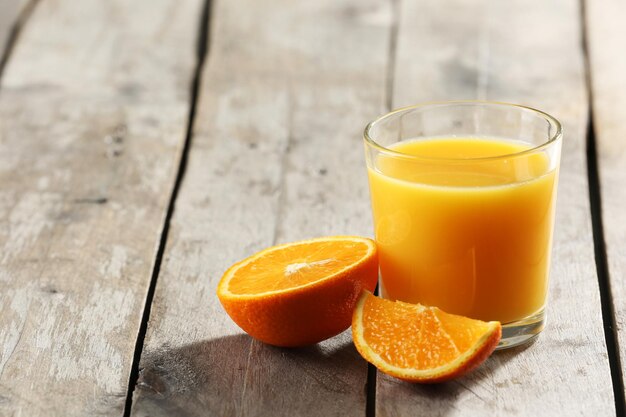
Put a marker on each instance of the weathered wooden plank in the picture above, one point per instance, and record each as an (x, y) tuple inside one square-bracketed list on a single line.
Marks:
[(9, 13), (606, 36), (516, 51), (93, 111), (276, 156), (13, 16)]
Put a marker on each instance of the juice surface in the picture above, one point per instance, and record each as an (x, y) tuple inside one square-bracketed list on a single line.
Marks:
[(471, 237)]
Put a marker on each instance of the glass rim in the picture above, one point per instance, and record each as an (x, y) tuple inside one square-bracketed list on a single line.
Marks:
[(550, 119)]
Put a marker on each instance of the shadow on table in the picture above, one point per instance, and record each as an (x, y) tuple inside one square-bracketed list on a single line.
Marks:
[(397, 397), (235, 375)]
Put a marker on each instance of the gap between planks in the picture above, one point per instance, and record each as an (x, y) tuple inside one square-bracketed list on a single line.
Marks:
[(600, 253), (391, 57), (372, 372), (604, 284), (202, 47), (606, 297), (14, 33)]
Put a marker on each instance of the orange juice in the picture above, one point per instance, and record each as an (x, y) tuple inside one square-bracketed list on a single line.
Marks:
[(471, 236)]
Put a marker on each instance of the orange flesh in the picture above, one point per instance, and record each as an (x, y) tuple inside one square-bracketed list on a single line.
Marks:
[(420, 337), (296, 265)]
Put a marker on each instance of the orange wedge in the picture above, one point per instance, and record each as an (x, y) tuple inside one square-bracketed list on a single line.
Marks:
[(299, 293), (420, 344)]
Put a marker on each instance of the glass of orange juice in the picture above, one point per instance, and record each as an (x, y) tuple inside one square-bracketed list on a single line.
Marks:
[(463, 198)]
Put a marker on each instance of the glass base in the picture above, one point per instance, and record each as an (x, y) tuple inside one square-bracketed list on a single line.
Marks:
[(522, 331)]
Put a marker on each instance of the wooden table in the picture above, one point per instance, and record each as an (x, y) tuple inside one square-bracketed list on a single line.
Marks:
[(146, 145)]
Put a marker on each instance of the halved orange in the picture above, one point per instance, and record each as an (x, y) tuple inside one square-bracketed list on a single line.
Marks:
[(300, 293), (420, 344)]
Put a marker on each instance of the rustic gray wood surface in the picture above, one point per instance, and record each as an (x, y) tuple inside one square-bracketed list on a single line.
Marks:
[(276, 156), (518, 52), (94, 107), (93, 111), (607, 34)]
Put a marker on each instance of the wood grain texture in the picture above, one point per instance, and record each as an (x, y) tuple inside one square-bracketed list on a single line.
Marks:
[(529, 53), (93, 112), (606, 35), (276, 156)]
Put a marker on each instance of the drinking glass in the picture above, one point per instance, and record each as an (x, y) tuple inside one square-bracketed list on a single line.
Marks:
[(463, 198)]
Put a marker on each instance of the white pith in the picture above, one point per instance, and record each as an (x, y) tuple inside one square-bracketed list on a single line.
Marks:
[(296, 267)]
